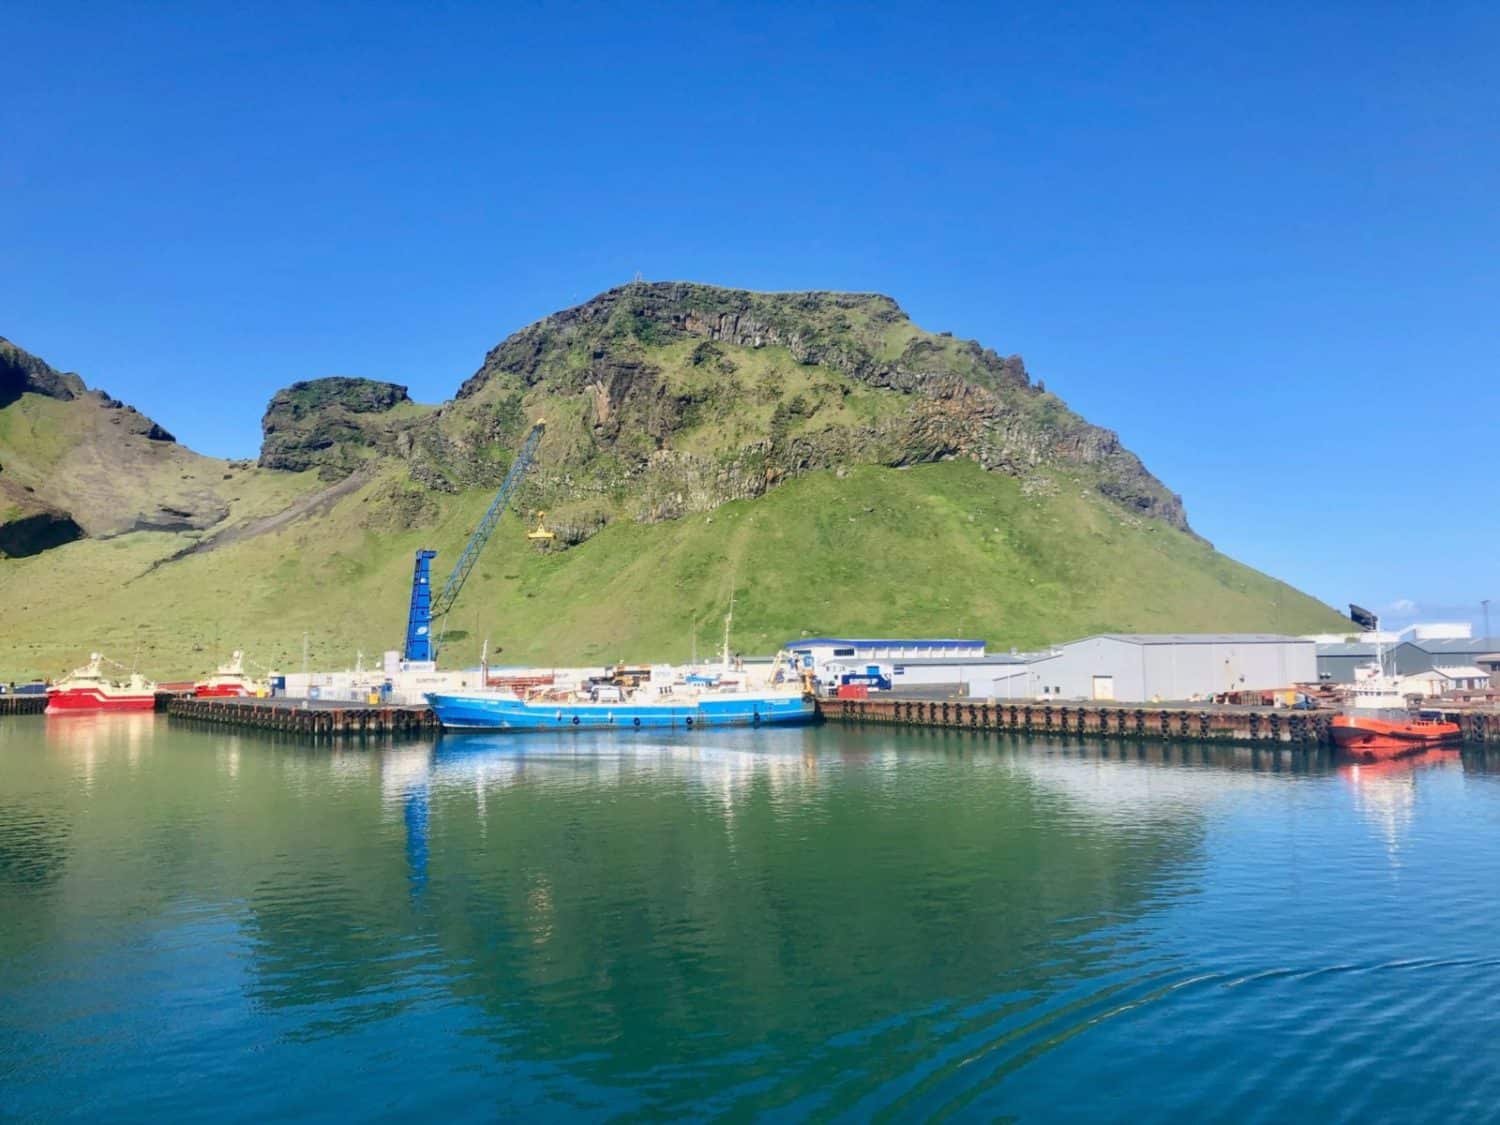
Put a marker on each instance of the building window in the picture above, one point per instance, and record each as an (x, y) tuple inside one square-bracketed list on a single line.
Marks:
[(843, 652)]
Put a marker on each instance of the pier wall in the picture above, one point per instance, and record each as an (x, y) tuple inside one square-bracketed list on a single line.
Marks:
[(314, 719), (1245, 725), (1249, 725)]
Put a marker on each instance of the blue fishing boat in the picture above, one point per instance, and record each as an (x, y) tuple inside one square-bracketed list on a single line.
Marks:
[(500, 710)]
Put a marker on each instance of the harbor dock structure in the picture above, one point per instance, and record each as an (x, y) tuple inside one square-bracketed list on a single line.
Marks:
[(22, 703), (1181, 723), (314, 718)]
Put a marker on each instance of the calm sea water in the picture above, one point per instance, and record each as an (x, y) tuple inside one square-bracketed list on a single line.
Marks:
[(822, 923)]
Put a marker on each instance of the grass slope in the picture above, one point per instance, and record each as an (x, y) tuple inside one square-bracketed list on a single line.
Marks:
[(943, 549)]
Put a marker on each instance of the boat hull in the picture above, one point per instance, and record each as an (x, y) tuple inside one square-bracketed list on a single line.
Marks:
[(220, 691), (1389, 738), (88, 699), (479, 712)]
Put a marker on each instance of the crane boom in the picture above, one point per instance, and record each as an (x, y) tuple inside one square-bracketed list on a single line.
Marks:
[(425, 608)]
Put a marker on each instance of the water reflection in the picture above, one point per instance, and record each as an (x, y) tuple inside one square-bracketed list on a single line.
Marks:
[(760, 921), (1386, 792), (86, 739)]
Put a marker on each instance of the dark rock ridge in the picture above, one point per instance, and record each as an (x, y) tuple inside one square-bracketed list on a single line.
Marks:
[(612, 360), (332, 424), (23, 373)]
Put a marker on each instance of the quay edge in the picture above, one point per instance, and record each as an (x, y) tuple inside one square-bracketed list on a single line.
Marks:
[(1247, 725), (312, 719)]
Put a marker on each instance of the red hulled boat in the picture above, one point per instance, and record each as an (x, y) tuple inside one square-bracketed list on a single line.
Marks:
[(231, 681), (1390, 736), (87, 689)]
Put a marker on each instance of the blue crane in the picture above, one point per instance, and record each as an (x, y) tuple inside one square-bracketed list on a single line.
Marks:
[(426, 609)]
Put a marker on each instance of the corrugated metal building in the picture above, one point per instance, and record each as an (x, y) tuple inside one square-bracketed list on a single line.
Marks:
[(830, 658), (1136, 667), (1337, 662), (986, 677), (872, 650), (1415, 656), (1441, 664), (1128, 667)]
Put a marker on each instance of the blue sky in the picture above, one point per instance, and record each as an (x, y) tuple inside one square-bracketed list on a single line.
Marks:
[(1260, 241)]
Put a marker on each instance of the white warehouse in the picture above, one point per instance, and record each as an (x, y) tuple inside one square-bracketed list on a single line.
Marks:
[(1128, 667), (1136, 667)]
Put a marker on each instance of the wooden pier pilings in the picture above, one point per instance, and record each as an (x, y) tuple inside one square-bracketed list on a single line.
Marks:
[(17, 703), (314, 719), (1176, 724)]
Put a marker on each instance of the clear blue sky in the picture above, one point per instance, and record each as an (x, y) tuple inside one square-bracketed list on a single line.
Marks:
[(1260, 241)]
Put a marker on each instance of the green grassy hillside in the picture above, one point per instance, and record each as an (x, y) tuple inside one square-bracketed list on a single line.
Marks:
[(939, 549)]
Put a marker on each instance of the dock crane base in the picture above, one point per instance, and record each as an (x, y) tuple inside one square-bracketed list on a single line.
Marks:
[(427, 609)]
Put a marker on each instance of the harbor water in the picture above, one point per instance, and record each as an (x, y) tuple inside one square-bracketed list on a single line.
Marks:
[(826, 923)]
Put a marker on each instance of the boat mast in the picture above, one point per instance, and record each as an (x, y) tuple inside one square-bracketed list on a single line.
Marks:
[(728, 617)]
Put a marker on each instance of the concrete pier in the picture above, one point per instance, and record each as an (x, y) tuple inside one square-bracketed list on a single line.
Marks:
[(314, 718), (12, 704), (1175, 723), (1186, 723)]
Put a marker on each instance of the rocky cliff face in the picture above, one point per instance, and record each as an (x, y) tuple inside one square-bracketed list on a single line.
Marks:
[(332, 424), (23, 373), (76, 462), (678, 397)]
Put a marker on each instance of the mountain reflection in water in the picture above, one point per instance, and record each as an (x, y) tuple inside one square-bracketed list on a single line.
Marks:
[(809, 922)]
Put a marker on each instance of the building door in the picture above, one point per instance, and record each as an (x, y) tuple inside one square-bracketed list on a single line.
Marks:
[(1104, 687)]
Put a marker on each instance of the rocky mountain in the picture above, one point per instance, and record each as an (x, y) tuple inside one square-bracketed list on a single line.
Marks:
[(76, 462), (816, 456), (666, 399), (335, 425)]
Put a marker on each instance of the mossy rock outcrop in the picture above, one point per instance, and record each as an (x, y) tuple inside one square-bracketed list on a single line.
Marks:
[(333, 425)]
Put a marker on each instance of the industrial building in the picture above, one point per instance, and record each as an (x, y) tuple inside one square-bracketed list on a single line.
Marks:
[(1128, 667), (832, 658), (1338, 660), (1441, 663), (1137, 667), (867, 650), (1006, 676), (1458, 659)]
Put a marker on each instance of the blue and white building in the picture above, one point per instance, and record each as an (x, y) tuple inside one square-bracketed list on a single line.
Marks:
[(830, 658)]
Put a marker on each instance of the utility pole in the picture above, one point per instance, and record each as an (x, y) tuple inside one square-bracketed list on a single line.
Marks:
[(1485, 604), (306, 680)]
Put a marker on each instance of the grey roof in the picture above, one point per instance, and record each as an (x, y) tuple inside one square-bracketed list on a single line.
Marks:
[(890, 642), (1347, 648), (1450, 646), (998, 658), (1197, 638)]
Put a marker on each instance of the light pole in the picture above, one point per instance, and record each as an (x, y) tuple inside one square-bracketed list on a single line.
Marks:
[(1485, 604)]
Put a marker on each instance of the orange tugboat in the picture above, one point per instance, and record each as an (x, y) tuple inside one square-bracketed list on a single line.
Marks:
[(1372, 736), (1378, 723)]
